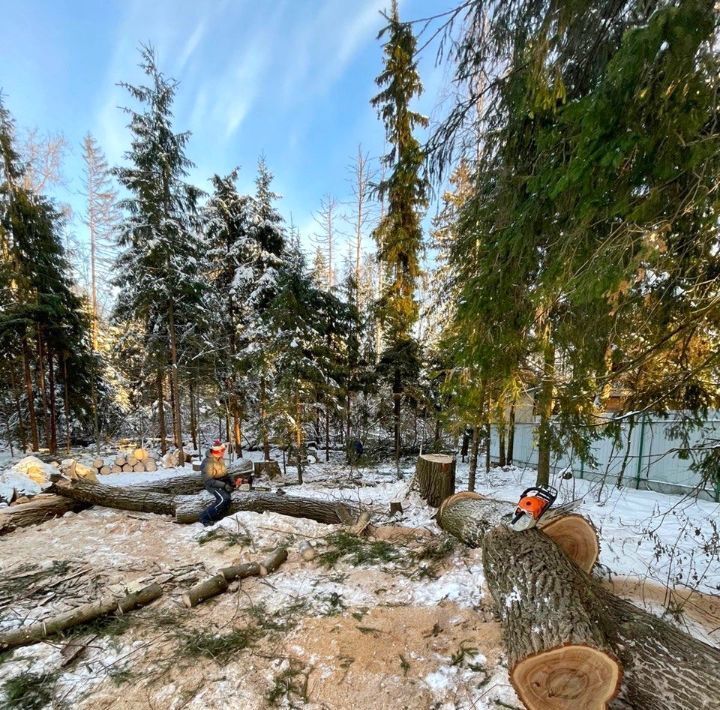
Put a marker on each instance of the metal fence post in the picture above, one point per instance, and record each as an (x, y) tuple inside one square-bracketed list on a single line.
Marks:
[(640, 452)]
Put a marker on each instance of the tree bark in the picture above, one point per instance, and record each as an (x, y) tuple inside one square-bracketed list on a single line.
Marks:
[(122, 498), (38, 510), (558, 656), (263, 419), (545, 407), (33, 633), (397, 395), (66, 397), (175, 383), (16, 397), (53, 403), (472, 469), (219, 583), (30, 396), (470, 516), (161, 412), (511, 436), (193, 421), (40, 376), (436, 477), (545, 599), (188, 508)]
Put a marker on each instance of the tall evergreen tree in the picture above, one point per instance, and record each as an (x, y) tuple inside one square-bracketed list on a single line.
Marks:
[(158, 271), (399, 233)]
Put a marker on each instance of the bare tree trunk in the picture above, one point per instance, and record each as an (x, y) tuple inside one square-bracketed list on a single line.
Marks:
[(175, 384), (501, 443), (53, 404), (472, 469), (327, 430), (16, 397), (40, 375), (66, 397), (263, 418), (397, 395), (161, 411), (298, 438), (193, 421), (511, 435), (545, 407), (30, 396)]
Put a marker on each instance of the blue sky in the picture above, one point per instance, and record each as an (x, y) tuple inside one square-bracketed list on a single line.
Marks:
[(290, 79)]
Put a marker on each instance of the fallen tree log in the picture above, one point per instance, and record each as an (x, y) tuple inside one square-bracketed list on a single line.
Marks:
[(188, 508), (38, 510), (219, 583), (33, 633), (471, 516), (558, 655), (435, 474), (120, 497), (665, 668), (546, 603)]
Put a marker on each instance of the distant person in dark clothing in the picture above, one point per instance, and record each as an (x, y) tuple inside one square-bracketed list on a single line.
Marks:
[(359, 448), (217, 482)]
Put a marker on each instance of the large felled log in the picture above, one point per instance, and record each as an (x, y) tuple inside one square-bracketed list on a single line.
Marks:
[(188, 508), (663, 668), (558, 655), (180, 484), (436, 477), (470, 516), (219, 583), (38, 510), (123, 498), (81, 615)]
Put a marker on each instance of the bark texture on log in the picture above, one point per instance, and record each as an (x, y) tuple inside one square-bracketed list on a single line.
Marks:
[(116, 497), (558, 655), (219, 583), (182, 484), (470, 516), (188, 508), (38, 510), (665, 669), (436, 477), (81, 615)]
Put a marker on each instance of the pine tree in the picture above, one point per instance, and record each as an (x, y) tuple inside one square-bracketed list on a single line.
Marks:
[(158, 269), (399, 233)]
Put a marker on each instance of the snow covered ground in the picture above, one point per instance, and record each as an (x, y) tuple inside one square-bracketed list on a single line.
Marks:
[(385, 626)]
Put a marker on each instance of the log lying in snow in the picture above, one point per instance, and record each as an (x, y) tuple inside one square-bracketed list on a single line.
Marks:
[(188, 508), (544, 599), (182, 484), (470, 516), (123, 498), (665, 669), (436, 477), (558, 655), (38, 510), (33, 633), (219, 583)]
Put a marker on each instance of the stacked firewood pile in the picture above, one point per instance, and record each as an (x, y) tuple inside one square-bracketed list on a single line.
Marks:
[(138, 460)]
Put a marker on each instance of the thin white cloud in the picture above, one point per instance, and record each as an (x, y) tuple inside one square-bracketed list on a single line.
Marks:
[(191, 45)]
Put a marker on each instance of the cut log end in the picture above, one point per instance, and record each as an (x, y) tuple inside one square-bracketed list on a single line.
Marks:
[(567, 678), (577, 538)]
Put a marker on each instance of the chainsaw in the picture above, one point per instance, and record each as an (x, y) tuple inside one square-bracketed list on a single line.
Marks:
[(532, 506), (241, 479)]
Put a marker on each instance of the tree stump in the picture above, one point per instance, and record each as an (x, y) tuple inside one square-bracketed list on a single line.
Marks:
[(558, 655), (270, 468), (436, 477)]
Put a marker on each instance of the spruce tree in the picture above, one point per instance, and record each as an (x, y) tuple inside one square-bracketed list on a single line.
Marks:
[(399, 233), (158, 271)]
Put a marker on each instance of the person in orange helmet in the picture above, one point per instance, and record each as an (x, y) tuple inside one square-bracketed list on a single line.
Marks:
[(217, 482)]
